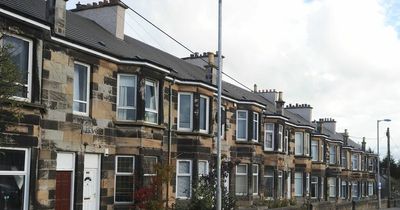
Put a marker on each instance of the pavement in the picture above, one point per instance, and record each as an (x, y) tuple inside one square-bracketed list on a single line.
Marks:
[(395, 208)]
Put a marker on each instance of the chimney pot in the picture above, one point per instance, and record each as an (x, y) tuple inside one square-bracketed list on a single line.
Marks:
[(255, 88)]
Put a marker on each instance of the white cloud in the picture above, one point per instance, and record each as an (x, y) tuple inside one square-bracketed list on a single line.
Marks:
[(340, 56)]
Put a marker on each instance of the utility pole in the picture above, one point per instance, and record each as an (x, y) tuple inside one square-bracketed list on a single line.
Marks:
[(388, 165), (219, 190)]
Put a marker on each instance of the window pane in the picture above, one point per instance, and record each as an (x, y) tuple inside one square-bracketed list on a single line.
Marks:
[(299, 143), (184, 167), (124, 188), (203, 113), (242, 115), (268, 141), (241, 185), (150, 95), (241, 169), (203, 170), (12, 160), (127, 91), (126, 114), (125, 164), (242, 129), (12, 190), (183, 188), (149, 164), (19, 51), (80, 83), (151, 117), (184, 111), (269, 186)]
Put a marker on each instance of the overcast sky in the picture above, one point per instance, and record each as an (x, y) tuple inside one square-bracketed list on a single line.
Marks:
[(340, 56)]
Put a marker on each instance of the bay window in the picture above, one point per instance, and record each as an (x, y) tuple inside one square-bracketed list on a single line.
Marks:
[(149, 169), (21, 52), (126, 97), (81, 89), (184, 179), (241, 187), (151, 101), (255, 126), (14, 178), (299, 141), (241, 125), (298, 184), (185, 111), (255, 179), (124, 179), (314, 150), (269, 137), (204, 114)]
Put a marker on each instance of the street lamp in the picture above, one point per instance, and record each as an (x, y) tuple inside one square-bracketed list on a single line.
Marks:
[(379, 176)]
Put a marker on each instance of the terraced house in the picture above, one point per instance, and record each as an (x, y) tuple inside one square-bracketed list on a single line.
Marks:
[(101, 109)]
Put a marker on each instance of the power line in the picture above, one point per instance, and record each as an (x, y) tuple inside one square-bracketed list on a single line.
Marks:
[(180, 43)]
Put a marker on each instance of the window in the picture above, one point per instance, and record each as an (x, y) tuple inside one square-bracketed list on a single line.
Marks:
[(81, 88), (314, 186), (279, 187), (370, 165), (298, 138), (344, 160), (308, 184), (124, 179), (314, 150), (184, 179), (332, 187), (332, 154), (269, 183), (280, 138), (286, 147), (241, 125), (255, 126), (204, 114), (203, 168), (223, 116), (241, 180), (14, 178), (370, 188), (185, 113), (255, 179), (355, 162), (149, 169), (344, 189), (21, 51), (322, 191), (126, 97), (151, 101), (298, 184), (288, 185), (269, 137), (355, 189), (306, 144)]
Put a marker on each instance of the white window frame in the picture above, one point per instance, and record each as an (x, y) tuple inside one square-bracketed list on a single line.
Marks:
[(242, 174), (322, 192), (207, 168), (307, 184), (314, 144), (150, 175), (118, 96), (256, 125), (370, 165), (298, 176), (191, 111), (343, 184), (25, 173), (355, 167), (332, 148), (123, 174), (269, 175), (299, 141), (272, 133), (279, 175), (370, 188), (207, 114), (153, 83), (72, 170), (280, 138), (286, 139), (354, 189), (314, 184), (87, 91), (332, 187), (184, 175), (306, 144), (255, 178), (30, 64), (237, 125)]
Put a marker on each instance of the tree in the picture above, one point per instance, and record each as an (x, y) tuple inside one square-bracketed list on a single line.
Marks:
[(10, 77)]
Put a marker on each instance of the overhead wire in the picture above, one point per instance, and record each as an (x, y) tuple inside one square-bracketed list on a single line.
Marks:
[(180, 43)]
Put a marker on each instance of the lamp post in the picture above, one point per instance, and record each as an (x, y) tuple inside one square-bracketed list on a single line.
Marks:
[(379, 175)]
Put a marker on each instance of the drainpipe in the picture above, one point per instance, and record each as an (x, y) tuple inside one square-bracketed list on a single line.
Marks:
[(169, 134)]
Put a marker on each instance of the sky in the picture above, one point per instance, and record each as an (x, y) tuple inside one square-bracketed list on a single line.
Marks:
[(340, 56)]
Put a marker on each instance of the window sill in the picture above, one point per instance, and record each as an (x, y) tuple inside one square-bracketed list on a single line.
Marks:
[(248, 142), (139, 123), (195, 133), (302, 156), (26, 104)]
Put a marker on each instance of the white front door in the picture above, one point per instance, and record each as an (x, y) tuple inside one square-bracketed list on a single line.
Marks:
[(91, 182)]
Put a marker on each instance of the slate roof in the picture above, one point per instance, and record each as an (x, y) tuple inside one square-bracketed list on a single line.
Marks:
[(86, 32)]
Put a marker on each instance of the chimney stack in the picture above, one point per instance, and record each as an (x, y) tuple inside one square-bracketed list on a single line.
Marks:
[(255, 88), (108, 14), (280, 104), (304, 110), (56, 15), (363, 144), (345, 137), (208, 61)]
